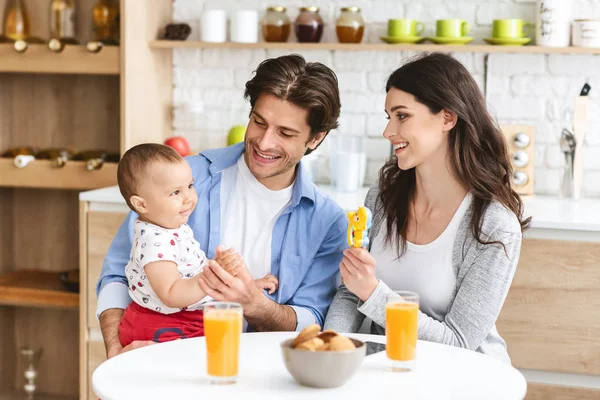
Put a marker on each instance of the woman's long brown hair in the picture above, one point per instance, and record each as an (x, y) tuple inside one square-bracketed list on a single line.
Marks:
[(477, 147)]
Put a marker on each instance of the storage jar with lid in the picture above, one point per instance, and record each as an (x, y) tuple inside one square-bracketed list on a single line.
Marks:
[(309, 25), (276, 25), (350, 25)]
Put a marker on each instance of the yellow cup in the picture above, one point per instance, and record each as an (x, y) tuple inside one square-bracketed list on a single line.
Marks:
[(223, 328), (401, 330)]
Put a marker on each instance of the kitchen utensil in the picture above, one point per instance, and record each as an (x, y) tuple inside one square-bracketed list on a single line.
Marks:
[(567, 145), (580, 126)]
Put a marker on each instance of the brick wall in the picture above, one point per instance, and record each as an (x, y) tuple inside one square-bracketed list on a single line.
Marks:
[(532, 89)]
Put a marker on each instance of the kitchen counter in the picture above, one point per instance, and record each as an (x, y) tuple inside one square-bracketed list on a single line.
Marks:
[(548, 212)]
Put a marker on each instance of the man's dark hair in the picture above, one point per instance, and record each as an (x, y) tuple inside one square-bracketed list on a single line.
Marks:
[(311, 86)]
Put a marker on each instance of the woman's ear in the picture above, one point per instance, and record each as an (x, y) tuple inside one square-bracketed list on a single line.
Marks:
[(139, 204), (450, 120)]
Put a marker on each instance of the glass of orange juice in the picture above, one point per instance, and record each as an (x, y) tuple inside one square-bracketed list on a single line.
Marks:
[(401, 330), (222, 328)]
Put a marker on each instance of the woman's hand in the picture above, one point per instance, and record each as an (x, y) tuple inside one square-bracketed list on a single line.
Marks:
[(358, 272)]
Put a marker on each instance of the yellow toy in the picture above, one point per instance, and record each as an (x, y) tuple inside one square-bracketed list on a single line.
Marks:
[(359, 222)]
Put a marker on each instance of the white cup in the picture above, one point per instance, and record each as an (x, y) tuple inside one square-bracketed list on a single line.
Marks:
[(553, 25), (244, 26), (586, 32), (213, 26)]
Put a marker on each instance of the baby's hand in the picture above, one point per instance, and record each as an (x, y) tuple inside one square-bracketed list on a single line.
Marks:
[(230, 260), (269, 282)]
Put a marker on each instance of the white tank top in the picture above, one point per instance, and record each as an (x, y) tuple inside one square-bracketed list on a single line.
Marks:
[(424, 269)]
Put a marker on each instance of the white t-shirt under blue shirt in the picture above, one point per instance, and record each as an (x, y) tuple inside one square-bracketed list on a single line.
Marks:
[(249, 211)]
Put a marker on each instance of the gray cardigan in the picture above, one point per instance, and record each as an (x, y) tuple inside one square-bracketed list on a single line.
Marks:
[(483, 276)]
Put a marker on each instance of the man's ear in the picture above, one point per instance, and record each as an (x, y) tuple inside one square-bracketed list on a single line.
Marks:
[(139, 204), (318, 138), (450, 120)]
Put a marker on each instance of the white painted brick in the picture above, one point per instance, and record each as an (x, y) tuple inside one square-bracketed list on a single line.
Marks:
[(558, 109), (480, 81), (241, 76), (374, 31), (592, 138), (428, 11), (224, 98), (591, 158), (362, 102), (591, 183), (384, 10), (587, 10), (201, 140), (489, 11), (233, 58), (373, 167), (554, 156), (498, 85), (352, 81), (227, 5), (377, 80), (465, 59), (366, 60), (520, 108), (540, 155), (523, 85), (352, 124), (513, 64), (189, 58), (376, 124), (187, 97), (548, 132), (547, 181), (187, 10), (479, 63), (526, 1), (574, 65), (202, 77), (377, 149)]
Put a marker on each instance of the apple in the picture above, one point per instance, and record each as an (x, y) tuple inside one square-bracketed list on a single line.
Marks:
[(236, 134), (180, 144)]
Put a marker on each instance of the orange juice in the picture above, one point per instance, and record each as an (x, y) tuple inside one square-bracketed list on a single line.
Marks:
[(401, 330), (222, 328)]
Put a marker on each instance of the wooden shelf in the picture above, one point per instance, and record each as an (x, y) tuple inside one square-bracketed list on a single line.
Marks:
[(72, 60), (20, 395), (41, 174), (35, 289), (473, 48)]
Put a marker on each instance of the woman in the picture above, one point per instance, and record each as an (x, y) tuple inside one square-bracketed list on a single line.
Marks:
[(446, 223)]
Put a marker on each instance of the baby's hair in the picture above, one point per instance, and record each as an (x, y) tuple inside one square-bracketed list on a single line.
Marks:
[(135, 161)]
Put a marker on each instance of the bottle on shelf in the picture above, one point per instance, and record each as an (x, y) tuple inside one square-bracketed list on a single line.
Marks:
[(62, 24), (106, 25), (95, 159), (21, 156), (16, 20), (58, 156)]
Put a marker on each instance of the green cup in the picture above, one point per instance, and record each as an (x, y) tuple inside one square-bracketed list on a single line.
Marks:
[(452, 28), (511, 28), (404, 27)]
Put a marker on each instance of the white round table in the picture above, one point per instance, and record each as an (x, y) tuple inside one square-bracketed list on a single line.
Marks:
[(177, 370)]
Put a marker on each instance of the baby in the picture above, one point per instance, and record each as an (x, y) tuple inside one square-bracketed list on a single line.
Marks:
[(165, 260)]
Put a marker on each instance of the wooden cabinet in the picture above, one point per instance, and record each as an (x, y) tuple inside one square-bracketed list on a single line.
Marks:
[(551, 317), (98, 229), (112, 100)]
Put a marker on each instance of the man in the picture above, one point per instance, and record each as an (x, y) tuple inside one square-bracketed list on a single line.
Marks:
[(255, 198)]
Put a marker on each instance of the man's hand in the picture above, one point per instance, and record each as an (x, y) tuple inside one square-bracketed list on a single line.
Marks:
[(109, 325), (222, 286), (116, 350)]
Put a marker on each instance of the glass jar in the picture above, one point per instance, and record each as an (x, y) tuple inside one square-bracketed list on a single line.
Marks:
[(309, 25), (276, 25), (350, 26)]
